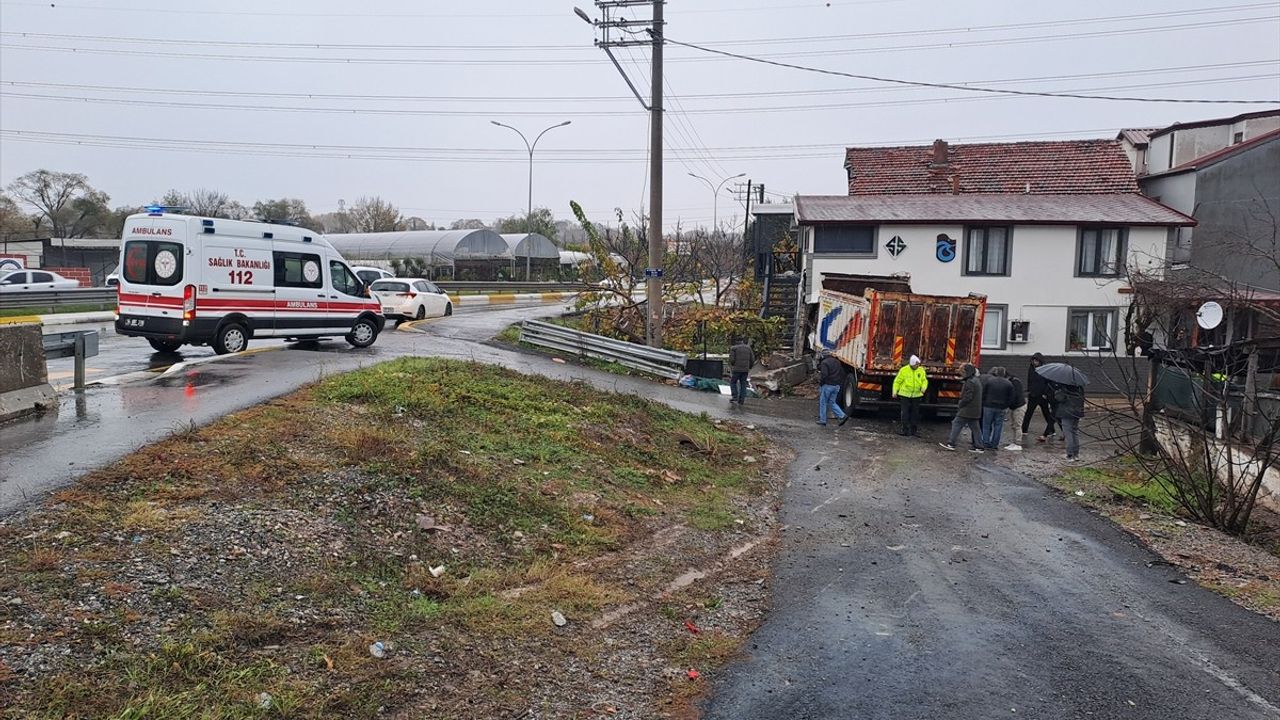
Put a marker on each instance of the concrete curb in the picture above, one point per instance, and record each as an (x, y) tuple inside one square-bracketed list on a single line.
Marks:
[(61, 318)]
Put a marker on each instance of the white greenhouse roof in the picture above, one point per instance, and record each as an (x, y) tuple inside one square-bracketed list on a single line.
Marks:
[(437, 247)]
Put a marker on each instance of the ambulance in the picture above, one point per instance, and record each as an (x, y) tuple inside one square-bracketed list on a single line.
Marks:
[(190, 280)]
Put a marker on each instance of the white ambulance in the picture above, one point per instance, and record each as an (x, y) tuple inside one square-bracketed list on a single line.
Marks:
[(189, 280)]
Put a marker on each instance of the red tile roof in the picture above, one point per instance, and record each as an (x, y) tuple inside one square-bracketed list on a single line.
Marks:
[(972, 208), (1057, 167)]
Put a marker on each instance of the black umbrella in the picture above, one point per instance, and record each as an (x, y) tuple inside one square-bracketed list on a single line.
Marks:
[(1063, 374)]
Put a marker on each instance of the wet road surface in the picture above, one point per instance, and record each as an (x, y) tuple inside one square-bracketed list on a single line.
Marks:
[(916, 583), (910, 583)]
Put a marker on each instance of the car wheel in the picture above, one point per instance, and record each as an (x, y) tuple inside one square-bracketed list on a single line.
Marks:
[(164, 346), (231, 338), (448, 309), (422, 312), (363, 333)]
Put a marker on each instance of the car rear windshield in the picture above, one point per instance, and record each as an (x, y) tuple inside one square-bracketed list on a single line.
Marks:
[(149, 262), (388, 286), (368, 276)]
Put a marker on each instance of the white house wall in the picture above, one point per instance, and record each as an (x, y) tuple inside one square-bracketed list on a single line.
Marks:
[(1040, 287)]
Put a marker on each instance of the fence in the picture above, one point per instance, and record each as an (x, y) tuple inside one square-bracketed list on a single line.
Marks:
[(51, 299), (663, 363), (1182, 394)]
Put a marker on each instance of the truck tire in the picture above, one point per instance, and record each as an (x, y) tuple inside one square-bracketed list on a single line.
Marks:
[(231, 338), (848, 397)]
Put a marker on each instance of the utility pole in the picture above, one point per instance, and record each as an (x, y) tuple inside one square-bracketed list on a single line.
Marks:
[(616, 31)]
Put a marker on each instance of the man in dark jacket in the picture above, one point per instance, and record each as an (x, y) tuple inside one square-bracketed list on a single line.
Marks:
[(1038, 396), (831, 376), (741, 358), (1069, 407), (997, 397), (968, 411)]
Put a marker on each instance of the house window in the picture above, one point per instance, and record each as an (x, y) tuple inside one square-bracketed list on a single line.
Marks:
[(1100, 252), (986, 251), (1091, 329), (1237, 138), (845, 240), (993, 324)]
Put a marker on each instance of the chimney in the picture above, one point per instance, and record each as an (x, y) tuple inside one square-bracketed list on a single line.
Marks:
[(955, 184), (939, 153)]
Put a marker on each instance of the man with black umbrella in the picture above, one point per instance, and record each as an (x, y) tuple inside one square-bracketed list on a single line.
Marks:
[(1067, 385)]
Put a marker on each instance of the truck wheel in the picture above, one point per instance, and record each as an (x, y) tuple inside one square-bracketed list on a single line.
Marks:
[(231, 338), (164, 346), (848, 397), (363, 333)]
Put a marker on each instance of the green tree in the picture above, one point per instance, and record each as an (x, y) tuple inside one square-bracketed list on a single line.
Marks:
[(65, 203), (468, 224), (289, 211), (15, 224), (544, 223)]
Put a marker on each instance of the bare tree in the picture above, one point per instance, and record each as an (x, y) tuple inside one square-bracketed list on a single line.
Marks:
[(468, 224), (375, 215), (288, 211), (65, 202)]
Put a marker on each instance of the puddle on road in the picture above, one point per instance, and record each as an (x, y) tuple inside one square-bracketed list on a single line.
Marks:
[(196, 378)]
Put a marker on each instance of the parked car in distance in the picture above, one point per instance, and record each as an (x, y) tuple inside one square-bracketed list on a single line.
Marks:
[(113, 279), (411, 298), (369, 275), (34, 281)]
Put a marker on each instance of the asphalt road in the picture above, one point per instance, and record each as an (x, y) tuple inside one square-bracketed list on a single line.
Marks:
[(910, 583), (916, 583)]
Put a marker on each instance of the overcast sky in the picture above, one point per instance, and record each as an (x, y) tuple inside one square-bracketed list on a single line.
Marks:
[(188, 72)]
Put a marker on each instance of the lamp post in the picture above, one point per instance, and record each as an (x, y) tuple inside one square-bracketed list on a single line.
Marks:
[(528, 223), (715, 198)]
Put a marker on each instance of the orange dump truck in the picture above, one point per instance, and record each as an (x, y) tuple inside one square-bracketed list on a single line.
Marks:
[(876, 333)]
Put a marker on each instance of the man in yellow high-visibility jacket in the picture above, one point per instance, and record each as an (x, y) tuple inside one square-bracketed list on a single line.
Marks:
[(909, 387)]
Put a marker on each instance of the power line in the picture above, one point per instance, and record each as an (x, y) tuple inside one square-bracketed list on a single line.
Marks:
[(607, 98), (705, 48), (679, 125), (807, 40), (966, 88)]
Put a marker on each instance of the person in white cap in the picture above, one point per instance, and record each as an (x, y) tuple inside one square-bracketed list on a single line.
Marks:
[(909, 387)]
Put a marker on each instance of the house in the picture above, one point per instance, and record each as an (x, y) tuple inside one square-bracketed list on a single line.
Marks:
[(1181, 143), (1045, 230)]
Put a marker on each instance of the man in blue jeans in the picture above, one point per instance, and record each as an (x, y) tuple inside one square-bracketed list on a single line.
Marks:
[(831, 374), (997, 397)]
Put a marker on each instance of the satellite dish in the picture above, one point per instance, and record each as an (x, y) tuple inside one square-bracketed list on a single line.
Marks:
[(1209, 316)]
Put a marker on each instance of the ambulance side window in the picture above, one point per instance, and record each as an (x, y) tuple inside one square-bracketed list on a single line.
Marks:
[(147, 262), (299, 270), (343, 280)]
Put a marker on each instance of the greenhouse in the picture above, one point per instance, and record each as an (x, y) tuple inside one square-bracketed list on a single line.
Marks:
[(437, 254), (534, 255)]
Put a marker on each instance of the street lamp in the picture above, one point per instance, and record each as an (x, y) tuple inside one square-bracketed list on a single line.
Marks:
[(715, 201), (528, 223)]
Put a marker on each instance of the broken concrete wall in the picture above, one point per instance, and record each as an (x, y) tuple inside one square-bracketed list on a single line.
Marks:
[(24, 378), (1173, 434)]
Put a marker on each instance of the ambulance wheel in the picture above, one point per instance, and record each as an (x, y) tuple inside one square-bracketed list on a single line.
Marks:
[(231, 338), (363, 333), (448, 309), (164, 346)]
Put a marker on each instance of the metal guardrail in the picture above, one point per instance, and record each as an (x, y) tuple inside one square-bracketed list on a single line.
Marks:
[(80, 344), (502, 286), (58, 298), (663, 363)]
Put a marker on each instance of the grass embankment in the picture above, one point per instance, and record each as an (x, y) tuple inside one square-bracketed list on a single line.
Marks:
[(1245, 570), (85, 307), (244, 569)]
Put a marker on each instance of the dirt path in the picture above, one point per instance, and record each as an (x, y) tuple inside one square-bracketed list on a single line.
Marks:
[(916, 583)]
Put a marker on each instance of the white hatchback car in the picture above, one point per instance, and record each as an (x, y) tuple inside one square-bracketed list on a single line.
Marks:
[(34, 281), (411, 298)]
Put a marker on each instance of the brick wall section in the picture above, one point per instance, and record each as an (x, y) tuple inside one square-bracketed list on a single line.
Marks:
[(1109, 376), (79, 274)]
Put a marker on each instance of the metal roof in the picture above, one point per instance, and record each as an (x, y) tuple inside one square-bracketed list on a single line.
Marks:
[(437, 247), (534, 245), (772, 209), (1119, 208)]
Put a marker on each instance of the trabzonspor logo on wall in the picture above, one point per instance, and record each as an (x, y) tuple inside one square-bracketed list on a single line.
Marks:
[(946, 251), (837, 328)]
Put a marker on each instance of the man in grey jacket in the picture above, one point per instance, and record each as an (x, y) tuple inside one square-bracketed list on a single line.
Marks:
[(968, 412), (741, 358)]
